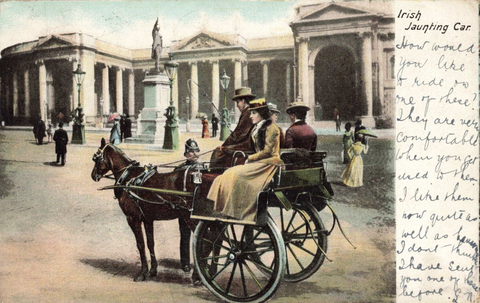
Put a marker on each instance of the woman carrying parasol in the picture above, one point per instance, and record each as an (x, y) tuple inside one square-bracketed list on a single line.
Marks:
[(353, 174)]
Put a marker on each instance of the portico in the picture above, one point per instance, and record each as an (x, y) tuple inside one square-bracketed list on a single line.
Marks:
[(339, 55)]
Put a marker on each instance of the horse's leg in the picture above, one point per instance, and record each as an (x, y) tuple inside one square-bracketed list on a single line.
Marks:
[(185, 233), (136, 226), (151, 247)]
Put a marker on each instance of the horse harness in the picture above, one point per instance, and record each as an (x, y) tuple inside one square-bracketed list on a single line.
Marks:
[(138, 182)]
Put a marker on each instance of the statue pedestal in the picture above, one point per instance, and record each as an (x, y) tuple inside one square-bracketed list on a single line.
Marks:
[(151, 121)]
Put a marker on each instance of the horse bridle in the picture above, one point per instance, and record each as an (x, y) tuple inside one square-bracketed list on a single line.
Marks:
[(98, 157)]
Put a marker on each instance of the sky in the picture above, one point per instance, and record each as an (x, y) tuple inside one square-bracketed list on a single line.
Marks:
[(129, 23)]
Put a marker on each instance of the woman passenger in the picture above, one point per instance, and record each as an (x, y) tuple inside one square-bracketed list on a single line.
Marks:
[(235, 191)]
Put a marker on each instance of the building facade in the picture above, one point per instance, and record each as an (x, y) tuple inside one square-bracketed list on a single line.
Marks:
[(338, 55)]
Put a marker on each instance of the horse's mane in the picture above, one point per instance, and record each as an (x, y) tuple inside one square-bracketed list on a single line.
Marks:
[(119, 151)]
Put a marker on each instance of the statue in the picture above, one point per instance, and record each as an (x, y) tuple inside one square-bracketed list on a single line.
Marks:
[(157, 46)]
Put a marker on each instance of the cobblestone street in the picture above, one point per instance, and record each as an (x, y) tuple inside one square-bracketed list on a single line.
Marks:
[(63, 240)]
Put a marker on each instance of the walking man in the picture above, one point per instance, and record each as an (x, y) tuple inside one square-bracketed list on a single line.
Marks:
[(61, 139)]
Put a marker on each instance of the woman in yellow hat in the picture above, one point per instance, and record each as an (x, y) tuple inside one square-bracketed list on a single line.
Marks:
[(235, 191)]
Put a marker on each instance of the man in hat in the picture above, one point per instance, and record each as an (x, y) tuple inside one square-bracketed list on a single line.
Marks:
[(239, 139), (300, 134), (61, 139), (191, 154), (39, 130)]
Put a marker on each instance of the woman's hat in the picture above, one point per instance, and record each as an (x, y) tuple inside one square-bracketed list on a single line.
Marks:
[(297, 106), (191, 146), (273, 108), (258, 103), (243, 92)]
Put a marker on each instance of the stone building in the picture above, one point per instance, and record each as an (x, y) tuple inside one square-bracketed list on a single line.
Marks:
[(338, 55)]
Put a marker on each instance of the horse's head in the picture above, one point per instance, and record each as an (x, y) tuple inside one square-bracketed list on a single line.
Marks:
[(101, 165)]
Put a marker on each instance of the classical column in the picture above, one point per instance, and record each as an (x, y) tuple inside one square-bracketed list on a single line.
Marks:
[(105, 90), (119, 91), (50, 95), (15, 94), (238, 73), (265, 78), (87, 96), (42, 87), (382, 66), (303, 70), (131, 93), (367, 77), (215, 86), (245, 74), (288, 80), (26, 76), (74, 94), (194, 87)]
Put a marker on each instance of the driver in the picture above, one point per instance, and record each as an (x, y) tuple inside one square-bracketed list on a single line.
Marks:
[(191, 154)]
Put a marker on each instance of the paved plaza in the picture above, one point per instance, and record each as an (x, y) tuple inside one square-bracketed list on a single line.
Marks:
[(63, 240)]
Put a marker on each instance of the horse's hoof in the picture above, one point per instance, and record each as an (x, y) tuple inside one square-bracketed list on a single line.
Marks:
[(152, 273), (139, 278), (186, 268), (197, 282)]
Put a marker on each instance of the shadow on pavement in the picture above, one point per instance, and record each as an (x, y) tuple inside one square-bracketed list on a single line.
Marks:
[(122, 268), (53, 163)]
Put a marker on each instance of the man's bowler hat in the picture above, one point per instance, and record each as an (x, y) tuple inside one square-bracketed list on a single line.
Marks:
[(243, 93)]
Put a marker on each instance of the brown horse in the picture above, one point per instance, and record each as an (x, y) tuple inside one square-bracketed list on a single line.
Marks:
[(144, 206)]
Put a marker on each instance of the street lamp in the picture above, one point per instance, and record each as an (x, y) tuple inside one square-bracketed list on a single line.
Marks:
[(187, 127), (171, 126), (225, 128), (78, 130), (101, 112)]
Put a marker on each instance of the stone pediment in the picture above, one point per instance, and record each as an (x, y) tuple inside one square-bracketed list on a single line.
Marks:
[(334, 11), (204, 40), (52, 41)]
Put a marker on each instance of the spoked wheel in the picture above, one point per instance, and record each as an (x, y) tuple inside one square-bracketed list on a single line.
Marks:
[(228, 257), (305, 240)]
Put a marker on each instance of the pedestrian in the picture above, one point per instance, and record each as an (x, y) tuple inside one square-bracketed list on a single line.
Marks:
[(359, 126), (127, 127), (122, 127), (49, 132), (191, 154), (239, 139), (338, 122), (39, 130), (205, 133), (347, 142), (115, 137), (214, 125), (60, 117), (61, 139), (352, 176), (300, 134)]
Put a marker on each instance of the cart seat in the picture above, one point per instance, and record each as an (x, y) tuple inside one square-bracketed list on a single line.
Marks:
[(298, 158)]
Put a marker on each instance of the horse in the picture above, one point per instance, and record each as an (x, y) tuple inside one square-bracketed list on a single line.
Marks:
[(145, 206)]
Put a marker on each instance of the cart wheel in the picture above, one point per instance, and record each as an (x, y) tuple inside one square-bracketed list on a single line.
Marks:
[(228, 257), (302, 229)]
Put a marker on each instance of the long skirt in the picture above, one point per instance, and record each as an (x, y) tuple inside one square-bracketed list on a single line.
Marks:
[(235, 191), (353, 174)]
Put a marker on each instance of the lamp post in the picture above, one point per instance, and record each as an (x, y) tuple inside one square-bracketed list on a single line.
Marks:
[(78, 130), (101, 112), (171, 126), (187, 127), (225, 123)]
